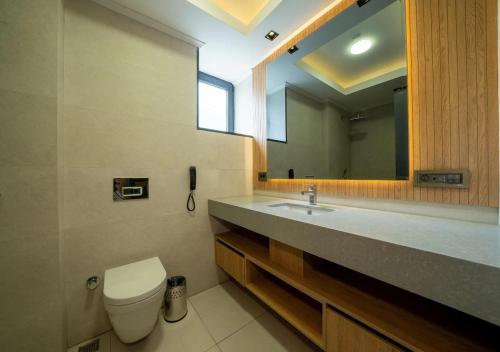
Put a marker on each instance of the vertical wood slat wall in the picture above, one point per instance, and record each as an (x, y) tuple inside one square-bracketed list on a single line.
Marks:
[(453, 110)]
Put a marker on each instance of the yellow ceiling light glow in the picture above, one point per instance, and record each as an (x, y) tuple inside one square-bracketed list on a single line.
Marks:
[(243, 16), (361, 46), (319, 67)]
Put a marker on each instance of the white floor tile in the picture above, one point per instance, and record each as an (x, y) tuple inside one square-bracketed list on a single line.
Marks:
[(226, 308), (187, 335), (226, 313), (266, 334), (104, 343)]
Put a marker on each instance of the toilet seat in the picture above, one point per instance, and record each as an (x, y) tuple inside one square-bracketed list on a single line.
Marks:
[(133, 283)]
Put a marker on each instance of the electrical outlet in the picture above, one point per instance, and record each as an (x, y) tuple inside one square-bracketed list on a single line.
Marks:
[(262, 176), (442, 178)]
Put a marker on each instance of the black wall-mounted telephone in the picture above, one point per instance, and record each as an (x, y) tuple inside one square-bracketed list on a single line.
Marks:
[(192, 178), (191, 205)]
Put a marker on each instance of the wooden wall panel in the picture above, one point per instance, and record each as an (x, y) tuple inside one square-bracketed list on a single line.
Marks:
[(414, 111), (259, 122), (444, 94), (453, 110), (492, 99), (453, 97)]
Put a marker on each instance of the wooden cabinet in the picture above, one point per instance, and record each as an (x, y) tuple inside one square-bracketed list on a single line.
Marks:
[(345, 335), (230, 261), (342, 311)]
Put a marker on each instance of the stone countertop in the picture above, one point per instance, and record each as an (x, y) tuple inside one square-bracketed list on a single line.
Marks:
[(453, 262)]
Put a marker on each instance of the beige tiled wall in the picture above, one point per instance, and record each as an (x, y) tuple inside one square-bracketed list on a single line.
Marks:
[(130, 111), (31, 306)]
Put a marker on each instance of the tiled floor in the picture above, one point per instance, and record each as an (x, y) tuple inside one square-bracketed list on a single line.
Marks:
[(225, 318)]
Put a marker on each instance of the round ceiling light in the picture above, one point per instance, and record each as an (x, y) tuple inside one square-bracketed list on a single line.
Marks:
[(361, 46)]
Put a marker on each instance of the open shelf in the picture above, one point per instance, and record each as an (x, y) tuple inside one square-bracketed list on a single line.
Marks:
[(303, 313), (408, 319), (247, 242)]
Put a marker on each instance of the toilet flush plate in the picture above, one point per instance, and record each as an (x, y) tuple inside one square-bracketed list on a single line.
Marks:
[(130, 188)]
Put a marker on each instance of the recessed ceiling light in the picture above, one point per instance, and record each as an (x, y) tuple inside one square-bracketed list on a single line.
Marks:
[(361, 46), (271, 35), (293, 49)]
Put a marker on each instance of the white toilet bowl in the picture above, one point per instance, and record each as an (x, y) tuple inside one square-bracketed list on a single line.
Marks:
[(133, 295)]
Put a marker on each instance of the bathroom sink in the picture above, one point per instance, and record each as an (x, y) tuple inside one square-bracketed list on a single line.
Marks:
[(302, 209)]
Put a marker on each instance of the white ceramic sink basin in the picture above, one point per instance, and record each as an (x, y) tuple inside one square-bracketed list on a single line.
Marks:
[(302, 209)]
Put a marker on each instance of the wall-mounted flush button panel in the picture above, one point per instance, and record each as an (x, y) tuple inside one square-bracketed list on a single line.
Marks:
[(442, 178), (130, 188)]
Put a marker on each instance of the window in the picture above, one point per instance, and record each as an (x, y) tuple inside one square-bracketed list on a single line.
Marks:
[(215, 104), (276, 116)]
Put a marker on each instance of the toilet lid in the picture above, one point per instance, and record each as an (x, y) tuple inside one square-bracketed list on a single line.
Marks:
[(133, 282)]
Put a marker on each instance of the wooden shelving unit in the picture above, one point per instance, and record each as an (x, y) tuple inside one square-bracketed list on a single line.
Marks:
[(307, 318), (247, 242), (408, 320)]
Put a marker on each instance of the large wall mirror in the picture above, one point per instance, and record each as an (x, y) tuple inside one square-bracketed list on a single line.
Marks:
[(337, 104)]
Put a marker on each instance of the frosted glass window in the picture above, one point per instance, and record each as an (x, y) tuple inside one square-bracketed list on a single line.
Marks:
[(215, 104), (213, 107)]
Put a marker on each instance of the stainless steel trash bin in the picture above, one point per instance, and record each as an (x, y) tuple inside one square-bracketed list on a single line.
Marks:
[(175, 299)]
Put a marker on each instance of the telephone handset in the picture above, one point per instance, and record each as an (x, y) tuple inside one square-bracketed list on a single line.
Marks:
[(191, 205), (192, 178)]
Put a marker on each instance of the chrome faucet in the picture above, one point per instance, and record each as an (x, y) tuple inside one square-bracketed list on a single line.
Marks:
[(313, 194)]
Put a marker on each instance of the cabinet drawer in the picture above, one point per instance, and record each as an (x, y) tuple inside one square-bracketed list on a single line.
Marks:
[(346, 335), (230, 261)]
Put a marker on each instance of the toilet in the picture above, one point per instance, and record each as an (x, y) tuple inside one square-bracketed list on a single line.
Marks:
[(133, 296)]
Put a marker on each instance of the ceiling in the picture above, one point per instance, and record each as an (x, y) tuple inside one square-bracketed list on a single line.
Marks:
[(333, 63), (353, 83), (243, 16), (233, 30)]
